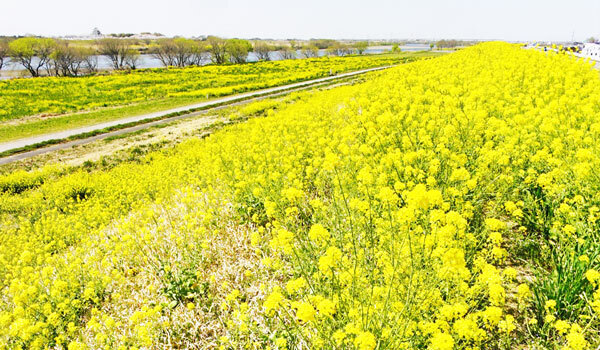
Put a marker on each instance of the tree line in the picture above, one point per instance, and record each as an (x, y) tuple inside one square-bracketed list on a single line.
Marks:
[(450, 44), (47, 56)]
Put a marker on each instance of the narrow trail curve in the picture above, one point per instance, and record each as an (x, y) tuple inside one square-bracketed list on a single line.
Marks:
[(233, 98), (206, 107)]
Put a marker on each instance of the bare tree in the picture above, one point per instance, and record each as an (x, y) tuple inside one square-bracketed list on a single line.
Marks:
[(90, 60), (32, 53), (287, 53), (218, 49), (262, 50), (119, 52), (178, 52), (60, 60), (67, 60), (165, 52), (200, 54), (339, 49), (452, 43), (132, 59), (80, 62), (184, 49), (3, 52), (310, 51)]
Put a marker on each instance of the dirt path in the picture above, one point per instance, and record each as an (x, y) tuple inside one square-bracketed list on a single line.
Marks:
[(234, 98), (218, 104)]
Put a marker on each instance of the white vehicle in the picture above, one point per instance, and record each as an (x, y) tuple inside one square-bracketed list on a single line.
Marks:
[(591, 50)]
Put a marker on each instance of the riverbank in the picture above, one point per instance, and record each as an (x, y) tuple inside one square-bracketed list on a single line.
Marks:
[(13, 70)]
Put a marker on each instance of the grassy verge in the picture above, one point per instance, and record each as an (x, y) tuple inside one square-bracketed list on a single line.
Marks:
[(415, 54), (109, 151), (34, 127), (166, 116), (68, 121)]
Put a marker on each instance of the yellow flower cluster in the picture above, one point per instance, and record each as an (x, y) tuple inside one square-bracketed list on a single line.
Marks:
[(396, 213), (57, 95)]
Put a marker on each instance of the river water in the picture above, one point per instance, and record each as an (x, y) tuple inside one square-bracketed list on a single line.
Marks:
[(13, 69)]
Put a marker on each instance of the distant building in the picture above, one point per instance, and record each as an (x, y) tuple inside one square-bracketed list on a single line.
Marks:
[(96, 33), (591, 50)]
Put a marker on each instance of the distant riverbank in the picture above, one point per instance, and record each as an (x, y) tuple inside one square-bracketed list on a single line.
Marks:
[(13, 69)]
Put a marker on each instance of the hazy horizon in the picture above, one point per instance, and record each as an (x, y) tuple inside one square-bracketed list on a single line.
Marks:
[(510, 20)]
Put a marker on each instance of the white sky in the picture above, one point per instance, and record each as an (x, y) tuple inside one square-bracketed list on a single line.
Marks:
[(372, 19)]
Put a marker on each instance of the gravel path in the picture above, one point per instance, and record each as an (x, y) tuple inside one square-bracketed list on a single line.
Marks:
[(207, 106), (82, 130)]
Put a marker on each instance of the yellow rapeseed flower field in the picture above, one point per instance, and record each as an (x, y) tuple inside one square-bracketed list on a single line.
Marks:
[(58, 95), (450, 203)]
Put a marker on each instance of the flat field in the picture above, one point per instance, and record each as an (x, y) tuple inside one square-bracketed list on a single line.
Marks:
[(31, 107), (449, 203)]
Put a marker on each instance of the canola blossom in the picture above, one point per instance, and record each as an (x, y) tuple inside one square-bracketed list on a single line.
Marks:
[(58, 95), (449, 203)]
